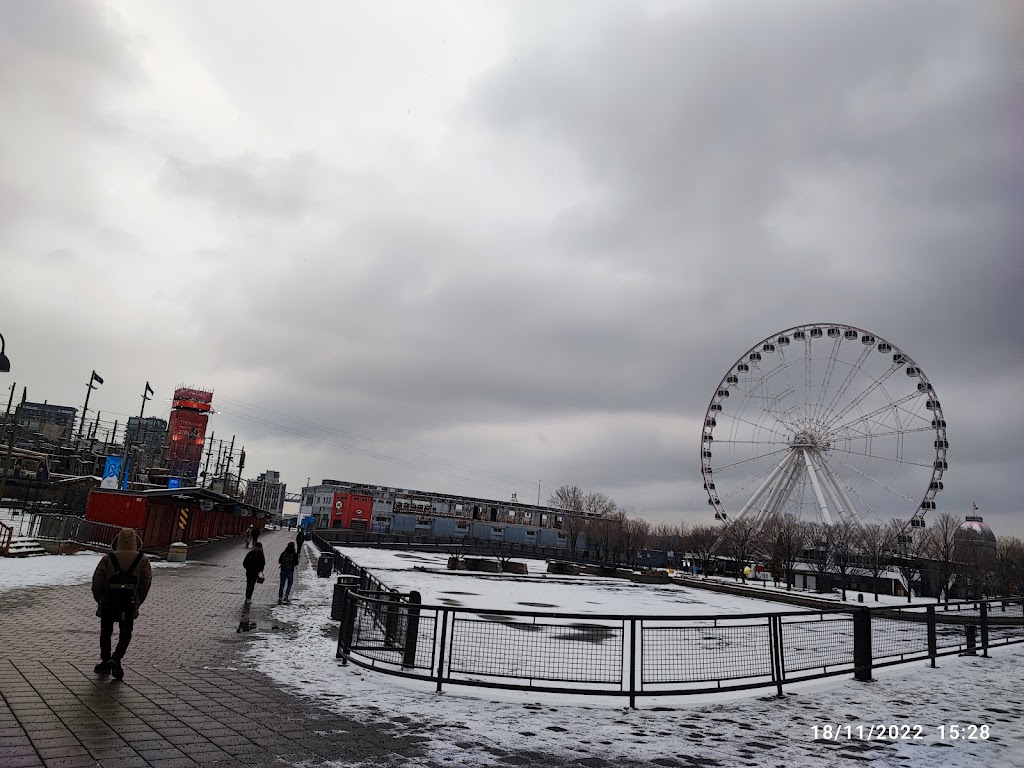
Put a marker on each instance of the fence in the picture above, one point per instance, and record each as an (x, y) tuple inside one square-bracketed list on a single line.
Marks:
[(636, 656), (66, 528)]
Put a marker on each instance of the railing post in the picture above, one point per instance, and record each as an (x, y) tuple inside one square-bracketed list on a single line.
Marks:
[(983, 613), (351, 607), (632, 663), (391, 618), (775, 648), (440, 652), (412, 630), (932, 641), (862, 657)]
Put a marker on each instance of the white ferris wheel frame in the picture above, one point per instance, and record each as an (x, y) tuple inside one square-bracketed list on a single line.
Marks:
[(830, 493)]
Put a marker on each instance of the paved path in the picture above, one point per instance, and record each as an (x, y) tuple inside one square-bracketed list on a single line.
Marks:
[(187, 699)]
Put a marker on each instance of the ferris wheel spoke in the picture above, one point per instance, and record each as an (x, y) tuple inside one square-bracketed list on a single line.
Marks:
[(864, 395), (857, 435), (751, 442), (854, 370), (866, 476), (756, 425), (785, 365), (892, 405), (735, 464), (764, 382), (807, 376), (833, 358), (883, 458)]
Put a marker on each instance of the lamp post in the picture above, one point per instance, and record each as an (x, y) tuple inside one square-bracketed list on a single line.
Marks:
[(5, 364)]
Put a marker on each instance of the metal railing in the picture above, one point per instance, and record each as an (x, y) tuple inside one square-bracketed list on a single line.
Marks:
[(638, 656), (70, 528)]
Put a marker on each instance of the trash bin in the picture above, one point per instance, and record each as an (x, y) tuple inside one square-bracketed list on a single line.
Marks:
[(325, 565), (344, 583)]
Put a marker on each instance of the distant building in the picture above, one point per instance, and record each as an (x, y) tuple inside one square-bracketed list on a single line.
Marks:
[(266, 492), (149, 433), (358, 506), (54, 422)]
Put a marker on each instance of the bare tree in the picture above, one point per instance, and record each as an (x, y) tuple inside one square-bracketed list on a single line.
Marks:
[(822, 546), (570, 499), (702, 542), (634, 533), (785, 538), (845, 551), (1008, 566), (876, 543), (597, 504), (940, 545), (906, 552), (740, 539), (567, 497)]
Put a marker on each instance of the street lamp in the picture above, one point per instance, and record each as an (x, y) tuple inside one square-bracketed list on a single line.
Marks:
[(5, 364)]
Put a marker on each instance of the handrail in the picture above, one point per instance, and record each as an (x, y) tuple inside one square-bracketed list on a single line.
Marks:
[(6, 537)]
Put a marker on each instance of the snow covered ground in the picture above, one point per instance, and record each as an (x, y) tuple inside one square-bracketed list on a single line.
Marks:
[(54, 570), (835, 597), (481, 728)]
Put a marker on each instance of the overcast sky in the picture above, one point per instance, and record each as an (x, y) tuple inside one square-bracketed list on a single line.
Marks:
[(525, 239)]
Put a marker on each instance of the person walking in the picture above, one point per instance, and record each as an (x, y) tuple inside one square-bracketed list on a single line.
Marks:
[(120, 585), (254, 563), (248, 536), (300, 538), (289, 561), (255, 534)]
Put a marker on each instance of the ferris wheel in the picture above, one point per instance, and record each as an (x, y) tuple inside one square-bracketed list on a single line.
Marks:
[(827, 422)]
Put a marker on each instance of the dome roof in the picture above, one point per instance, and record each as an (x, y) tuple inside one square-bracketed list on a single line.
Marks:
[(974, 528)]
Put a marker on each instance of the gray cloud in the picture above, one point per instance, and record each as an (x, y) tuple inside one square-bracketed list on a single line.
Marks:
[(620, 206)]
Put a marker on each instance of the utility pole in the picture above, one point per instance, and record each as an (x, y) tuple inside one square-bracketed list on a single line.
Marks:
[(122, 476), (227, 464), (241, 464), (538, 493), (209, 450)]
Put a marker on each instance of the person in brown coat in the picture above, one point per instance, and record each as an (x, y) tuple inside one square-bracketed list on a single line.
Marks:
[(120, 585)]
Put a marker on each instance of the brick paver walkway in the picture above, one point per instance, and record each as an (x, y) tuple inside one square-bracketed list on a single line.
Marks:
[(187, 698)]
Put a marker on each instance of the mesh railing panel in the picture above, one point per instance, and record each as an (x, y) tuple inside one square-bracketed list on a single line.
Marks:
[(705, 654), (1005, 622), (576, 653), (816, 644), (381, 632), (898, 637)]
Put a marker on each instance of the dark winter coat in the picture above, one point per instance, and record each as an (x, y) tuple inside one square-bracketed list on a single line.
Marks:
[(126, 546), (254, 562), (289, 560)]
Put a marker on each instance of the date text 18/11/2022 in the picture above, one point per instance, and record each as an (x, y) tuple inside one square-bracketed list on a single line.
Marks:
[(883, 732)]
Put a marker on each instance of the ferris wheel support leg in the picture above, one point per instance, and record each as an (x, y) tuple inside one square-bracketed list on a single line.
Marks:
[(794, 473), (826, 516), (764, 486), (832, 492), (831, 474), (783, 480)]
